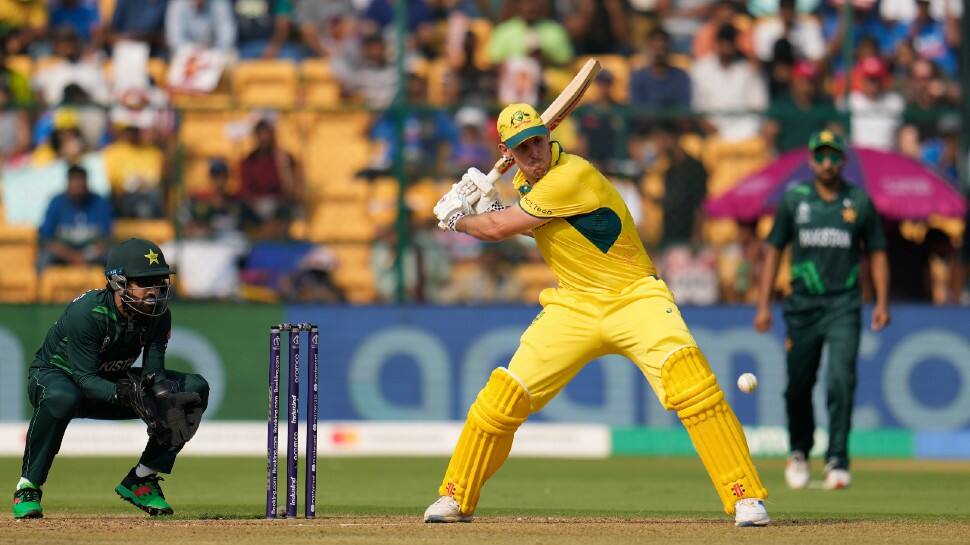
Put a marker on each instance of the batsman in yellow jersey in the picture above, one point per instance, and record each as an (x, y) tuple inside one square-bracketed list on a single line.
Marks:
[(609, 301)]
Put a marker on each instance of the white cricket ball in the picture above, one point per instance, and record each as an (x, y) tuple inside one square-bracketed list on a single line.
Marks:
[(747, 383)]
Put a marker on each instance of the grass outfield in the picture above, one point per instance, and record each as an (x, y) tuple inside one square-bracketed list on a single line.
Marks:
[(372, 501)]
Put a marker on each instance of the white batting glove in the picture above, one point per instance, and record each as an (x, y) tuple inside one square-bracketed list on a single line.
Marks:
[(489, 200), (457, 203)]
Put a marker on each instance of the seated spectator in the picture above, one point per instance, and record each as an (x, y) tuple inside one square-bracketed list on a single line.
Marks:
[(802, 111), (530, 32), (22, 23), (470, 80), (926, 93), (17, 85), (215, 213), (269, 184), (933, 40), (472, 148), (139, 21), (803, 31), (685, 187), (726, 82), (77, 225), (866, 25), (312, 281), (876, 112), (328, 29), (62, 139), (599, 124), (133, 164), (660, 86), (372, 80), (942, 150), (597, 27), (723, 12), (378, 17), (81, 16), (430, 137), (84, 71), (264, 28), (207, 24), (682, 19)]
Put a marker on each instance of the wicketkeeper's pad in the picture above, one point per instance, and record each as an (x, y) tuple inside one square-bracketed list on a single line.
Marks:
[(691, 389), (501, 407)]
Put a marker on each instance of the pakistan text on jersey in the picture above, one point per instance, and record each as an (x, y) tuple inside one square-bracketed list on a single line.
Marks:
[(117, 365), (825, 237)]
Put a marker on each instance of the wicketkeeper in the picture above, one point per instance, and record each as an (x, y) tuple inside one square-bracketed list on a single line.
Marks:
[(84, 370), (609, 301)]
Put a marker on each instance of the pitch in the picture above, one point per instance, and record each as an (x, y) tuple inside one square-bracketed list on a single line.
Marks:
[(621, 500)]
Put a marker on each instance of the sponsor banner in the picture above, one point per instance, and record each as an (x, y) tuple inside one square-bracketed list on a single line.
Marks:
[(92, 438)]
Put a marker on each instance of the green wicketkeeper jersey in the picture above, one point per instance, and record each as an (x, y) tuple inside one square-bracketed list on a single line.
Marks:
[(827, 238), (95, 344)]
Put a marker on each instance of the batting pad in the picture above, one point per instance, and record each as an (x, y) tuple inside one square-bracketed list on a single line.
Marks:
[(692, 390), (501, 407)]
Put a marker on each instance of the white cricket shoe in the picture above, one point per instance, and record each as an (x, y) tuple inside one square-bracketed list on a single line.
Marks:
[(837, 479), (797, 472), (750, 512), (445, 509)]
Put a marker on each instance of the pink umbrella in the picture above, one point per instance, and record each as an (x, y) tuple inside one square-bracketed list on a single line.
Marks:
[(900, 188)]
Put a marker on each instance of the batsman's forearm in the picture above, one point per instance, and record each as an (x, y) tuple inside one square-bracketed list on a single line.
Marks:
[(880, 277), (481, 226), (769, 269)]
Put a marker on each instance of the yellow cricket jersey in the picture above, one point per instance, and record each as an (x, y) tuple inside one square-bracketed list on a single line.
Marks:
[(592, 244)]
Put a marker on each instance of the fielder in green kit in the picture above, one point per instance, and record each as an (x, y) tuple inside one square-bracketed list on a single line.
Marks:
[(84, 370), (828, 223)]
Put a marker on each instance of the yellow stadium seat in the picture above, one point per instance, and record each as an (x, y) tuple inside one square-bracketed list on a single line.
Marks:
[(158, 70), (729, 162), (319, 88), (204, 134), (340, 148), (59, 284), (439, 78), (18, 256), (157, 231), (17, 234), (266, 83), (18, 285)]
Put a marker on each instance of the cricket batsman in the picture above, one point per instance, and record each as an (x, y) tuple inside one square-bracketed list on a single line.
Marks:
[(84, 370), (609, 301)]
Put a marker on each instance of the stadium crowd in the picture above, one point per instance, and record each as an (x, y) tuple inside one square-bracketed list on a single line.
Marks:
[(257, 139)]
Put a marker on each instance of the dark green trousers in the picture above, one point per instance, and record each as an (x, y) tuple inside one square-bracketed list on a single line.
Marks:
[(57, 400), (808, 330)]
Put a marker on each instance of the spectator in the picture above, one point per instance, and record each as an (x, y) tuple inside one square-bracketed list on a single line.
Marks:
[(802, 31), (472, 149), (942, 150), (205, 24), (933, 40), (378, 17), (81, 16), (685, 187), (600, 124), (264, 28), (726, 85), (65, 141), (73, 68), (22, 23), (77, 225), (312, 281), (876, 112), (15, 83), (723, 12), (926, 93), (14, 126), (139, 21), (660, 87), (800, 112), (373, 80), (866, 25), (682, 19), (470, 80), (530, 32), (215, 213), (328, 28), (133, 164), (270, 184), (597, 27)]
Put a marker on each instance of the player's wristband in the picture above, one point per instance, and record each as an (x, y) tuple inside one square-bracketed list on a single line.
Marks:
[(453, 220), (495, 207)]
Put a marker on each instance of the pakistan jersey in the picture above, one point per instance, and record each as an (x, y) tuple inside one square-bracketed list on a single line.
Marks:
[(95, 344), (591, 243), (827, 238)]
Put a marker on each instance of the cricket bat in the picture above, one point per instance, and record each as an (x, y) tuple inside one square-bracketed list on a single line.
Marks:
[(564, 104)]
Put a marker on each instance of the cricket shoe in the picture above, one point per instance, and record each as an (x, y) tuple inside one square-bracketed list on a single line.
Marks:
[(445, 509), (797, 472), (144, 493), (750, 512), (26, 503), (836, 479)]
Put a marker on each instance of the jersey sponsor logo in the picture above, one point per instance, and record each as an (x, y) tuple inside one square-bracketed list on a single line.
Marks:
[(536, 207), (803, 214), (825, 237), (117, 365)]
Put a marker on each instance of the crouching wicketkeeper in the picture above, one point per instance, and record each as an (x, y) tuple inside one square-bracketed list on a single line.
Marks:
[(84, 370)]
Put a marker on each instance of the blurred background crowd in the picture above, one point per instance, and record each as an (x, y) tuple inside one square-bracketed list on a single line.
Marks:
[(265, 143)]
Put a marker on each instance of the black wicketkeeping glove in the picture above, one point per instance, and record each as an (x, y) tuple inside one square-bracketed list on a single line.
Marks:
[(180, 412), (133, 391)]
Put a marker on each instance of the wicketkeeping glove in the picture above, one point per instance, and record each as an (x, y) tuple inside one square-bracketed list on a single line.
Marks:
[(172, 416)]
